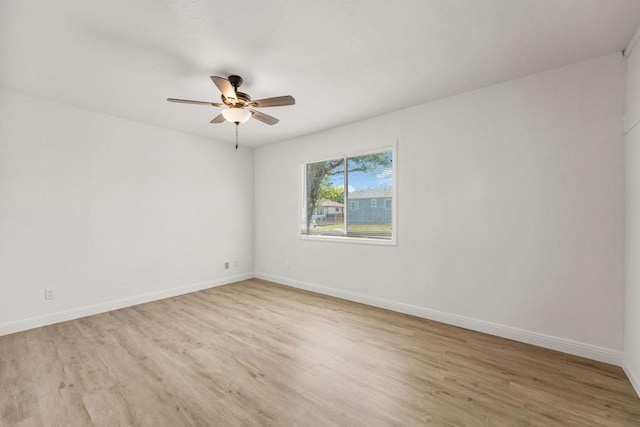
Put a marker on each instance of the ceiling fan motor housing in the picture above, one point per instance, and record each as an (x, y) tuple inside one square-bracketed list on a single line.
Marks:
[(241, 100)]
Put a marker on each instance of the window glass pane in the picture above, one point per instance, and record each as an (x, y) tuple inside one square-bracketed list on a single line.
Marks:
[(364, 211), (324, 213), (370, 178)]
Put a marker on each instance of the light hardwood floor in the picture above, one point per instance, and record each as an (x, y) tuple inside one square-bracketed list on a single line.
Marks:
[(256, 353)]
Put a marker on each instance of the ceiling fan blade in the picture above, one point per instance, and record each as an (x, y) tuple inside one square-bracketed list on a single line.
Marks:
[(225, 87), (218, 119), (276, 101), (264, 118), (188, 101)]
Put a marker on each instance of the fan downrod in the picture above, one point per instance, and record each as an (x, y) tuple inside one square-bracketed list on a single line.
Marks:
[(236, 81)]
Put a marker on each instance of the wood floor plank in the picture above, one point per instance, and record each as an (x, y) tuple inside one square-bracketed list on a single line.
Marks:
[(256, 353)]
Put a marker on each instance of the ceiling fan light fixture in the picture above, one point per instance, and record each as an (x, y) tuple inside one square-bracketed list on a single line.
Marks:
[(236, 115)]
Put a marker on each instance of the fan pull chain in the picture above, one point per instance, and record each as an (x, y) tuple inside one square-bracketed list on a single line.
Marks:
[(237, 135)]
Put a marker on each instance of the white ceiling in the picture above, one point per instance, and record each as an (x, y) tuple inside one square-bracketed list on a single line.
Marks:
[(342, 60)]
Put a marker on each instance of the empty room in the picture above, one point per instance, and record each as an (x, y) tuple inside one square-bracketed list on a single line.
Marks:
[(320, 213)]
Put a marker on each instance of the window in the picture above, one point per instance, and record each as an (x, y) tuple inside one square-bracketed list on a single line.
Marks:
[(368, 177)]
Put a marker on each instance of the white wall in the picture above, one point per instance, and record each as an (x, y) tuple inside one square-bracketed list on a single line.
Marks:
[(632, 216), (111, 212), (510, 211)]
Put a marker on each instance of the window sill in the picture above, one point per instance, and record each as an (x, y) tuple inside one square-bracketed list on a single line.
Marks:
[(344, 239)]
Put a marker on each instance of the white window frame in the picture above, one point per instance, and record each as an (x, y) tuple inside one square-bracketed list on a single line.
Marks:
[(394, 202), (374, 203)]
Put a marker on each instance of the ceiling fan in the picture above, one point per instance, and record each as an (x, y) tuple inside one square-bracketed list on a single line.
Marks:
[(238, 107)]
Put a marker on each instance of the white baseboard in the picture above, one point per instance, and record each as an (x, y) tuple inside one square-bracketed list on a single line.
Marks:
[(589, 351), (632, 377), (75, 313)]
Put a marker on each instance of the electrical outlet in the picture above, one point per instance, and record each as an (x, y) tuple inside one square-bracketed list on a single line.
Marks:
[(49, 293), (287, 264), (226, 265), (237, 263)]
